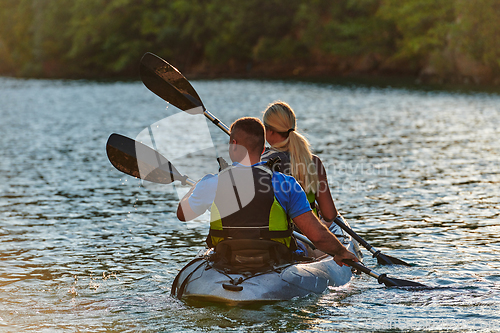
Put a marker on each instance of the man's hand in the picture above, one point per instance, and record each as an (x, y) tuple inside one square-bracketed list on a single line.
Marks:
[(344, 255)]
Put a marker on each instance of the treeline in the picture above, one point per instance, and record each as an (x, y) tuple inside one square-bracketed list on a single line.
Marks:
[(440, 40)]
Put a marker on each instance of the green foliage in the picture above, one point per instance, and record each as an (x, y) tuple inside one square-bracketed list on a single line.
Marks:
[(421, 26), (17, 36), (105, 35), (344, 27), (94, 38), (477, 32), (239, 29)]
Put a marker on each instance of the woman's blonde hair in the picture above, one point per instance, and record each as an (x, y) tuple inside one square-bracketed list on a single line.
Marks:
[(279, 117)]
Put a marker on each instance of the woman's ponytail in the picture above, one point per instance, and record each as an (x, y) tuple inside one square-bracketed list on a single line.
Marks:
[(279, 117)]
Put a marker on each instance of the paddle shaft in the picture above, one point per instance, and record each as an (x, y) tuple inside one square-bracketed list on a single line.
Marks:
[(216, 121), (354, 235), (382, 258), (362, 268)]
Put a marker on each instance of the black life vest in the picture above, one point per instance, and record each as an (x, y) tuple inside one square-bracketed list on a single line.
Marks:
[(245, 207), (285, 166)]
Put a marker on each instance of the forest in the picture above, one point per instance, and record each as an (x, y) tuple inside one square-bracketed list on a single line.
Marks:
[(430, 40)]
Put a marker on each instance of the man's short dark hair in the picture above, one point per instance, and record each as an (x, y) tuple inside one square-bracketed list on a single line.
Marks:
[(250, 132)]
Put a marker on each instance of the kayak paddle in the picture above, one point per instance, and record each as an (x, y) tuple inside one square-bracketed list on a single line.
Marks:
[(382, 278), (169, 84), (138, 160)]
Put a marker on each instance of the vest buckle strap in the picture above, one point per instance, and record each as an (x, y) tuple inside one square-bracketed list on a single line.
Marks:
[(265, 233), (268, 234)]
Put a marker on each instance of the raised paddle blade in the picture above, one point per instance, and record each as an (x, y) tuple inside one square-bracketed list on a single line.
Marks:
[(196, 110), (168, 83), (138, 160)]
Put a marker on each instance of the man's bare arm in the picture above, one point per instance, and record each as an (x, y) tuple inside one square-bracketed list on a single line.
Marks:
[(324, 240), (184, 211)]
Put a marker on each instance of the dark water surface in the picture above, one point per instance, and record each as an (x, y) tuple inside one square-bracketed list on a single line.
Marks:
[(84, 248)]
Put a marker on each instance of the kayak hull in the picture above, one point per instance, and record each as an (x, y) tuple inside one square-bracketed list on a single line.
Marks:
[(200, 281)]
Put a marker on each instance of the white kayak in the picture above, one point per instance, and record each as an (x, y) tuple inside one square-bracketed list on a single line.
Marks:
[(203, 280)]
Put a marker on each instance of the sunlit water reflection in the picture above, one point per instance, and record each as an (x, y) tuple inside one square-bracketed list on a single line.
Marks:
[(85, 248)]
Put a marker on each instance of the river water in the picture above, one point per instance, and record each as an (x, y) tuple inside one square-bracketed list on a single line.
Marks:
[(84, 248)]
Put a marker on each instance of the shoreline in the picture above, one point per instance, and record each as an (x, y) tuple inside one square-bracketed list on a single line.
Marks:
[(358, 80)]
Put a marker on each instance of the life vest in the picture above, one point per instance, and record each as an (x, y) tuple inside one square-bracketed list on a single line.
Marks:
[(245, 207), (285, 166), (311, 198)]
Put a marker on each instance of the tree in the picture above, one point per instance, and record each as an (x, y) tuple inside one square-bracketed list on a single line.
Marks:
[(477, 31), (422, 27)]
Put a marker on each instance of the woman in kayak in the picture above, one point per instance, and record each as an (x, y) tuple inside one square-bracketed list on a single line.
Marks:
[(297, 160)]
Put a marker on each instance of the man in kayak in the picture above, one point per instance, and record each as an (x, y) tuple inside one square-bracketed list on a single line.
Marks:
[(248, 201)]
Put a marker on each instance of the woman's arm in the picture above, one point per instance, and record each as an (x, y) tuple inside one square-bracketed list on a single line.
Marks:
[(323, 196)]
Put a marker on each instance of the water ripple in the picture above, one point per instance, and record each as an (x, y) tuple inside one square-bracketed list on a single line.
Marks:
[(85, 248)]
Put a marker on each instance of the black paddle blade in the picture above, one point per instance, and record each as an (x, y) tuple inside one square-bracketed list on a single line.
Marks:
[(140, 161), (392, 282), (383, 278), (384, 259), (168, 83)]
